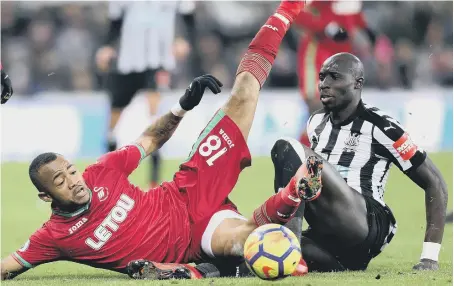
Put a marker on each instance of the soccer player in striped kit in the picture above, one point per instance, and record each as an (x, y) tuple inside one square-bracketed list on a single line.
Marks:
[(144, 58), (349, 222)]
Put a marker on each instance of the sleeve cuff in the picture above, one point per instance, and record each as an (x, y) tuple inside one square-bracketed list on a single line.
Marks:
[(417, 160), (21, 261), (143, 154)]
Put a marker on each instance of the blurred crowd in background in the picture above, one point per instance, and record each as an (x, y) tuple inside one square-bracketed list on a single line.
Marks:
[(49, 46)]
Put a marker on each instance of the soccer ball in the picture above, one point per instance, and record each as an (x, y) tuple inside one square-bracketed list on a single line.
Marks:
[(272, 252)]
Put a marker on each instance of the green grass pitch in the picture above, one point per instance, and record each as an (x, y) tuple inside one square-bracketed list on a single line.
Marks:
[(22, 213)]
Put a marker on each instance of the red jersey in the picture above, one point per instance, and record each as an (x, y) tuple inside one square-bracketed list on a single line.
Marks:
[(119, 224)]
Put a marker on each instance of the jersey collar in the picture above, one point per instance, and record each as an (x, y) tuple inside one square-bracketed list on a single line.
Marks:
[(359, 110), (75, 213)]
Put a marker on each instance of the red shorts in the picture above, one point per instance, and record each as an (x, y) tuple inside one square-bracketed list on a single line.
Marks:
[(210, 173)]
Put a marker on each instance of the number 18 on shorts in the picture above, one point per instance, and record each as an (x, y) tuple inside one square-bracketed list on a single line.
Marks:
[(215, 163)]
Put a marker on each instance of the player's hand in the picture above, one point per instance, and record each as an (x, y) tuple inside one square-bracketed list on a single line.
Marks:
[(103, 57), (194, 92), (426, 264), (7, 88)]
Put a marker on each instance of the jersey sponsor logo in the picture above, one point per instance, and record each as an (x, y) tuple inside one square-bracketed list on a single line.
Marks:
[(270, 27), (25, 247), (405, 147), (111, 223), (352, 142), (102, 192), (77, 225), (226, 138)]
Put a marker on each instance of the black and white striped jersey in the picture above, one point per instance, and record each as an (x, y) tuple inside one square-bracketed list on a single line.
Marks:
[(364, 147), (147, 33)]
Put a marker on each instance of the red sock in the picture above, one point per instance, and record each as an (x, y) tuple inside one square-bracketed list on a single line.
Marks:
[(280, 208), (262, 51)]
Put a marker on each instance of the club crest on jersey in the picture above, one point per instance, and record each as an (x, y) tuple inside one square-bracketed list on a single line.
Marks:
[(352, 142), (111, 223), (102, 192), (314, 140)]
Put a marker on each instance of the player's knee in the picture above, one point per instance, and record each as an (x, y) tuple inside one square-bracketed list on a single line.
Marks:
[(234, 245), (234, 248), (286, 147)]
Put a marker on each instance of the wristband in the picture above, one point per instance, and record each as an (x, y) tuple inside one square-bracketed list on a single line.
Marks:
[(430, 250), (177, 110)]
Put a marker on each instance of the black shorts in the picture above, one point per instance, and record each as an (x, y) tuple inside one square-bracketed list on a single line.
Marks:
[(123, 87), (382, 226)]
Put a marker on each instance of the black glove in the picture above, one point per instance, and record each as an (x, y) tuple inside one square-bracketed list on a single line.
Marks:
[(426, 264), (194, 92), (7, 88)]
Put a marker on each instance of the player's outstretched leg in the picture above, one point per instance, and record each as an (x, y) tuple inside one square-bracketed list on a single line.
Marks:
[(338, 210), (227, 239), (227, 235), (256, 65)]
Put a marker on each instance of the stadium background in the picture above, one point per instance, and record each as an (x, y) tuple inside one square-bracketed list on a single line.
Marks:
[(48, 50)]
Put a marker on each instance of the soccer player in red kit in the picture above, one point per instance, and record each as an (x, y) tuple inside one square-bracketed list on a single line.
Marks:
[(100, 219), (328, 30)]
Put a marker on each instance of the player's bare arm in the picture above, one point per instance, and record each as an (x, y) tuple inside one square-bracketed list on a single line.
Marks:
[(428, 177), (159, 132), (162, 129), (11, 268)]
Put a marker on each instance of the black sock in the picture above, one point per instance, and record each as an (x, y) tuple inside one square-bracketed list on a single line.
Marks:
[(296, 223), (243, 271), (232, 267)]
